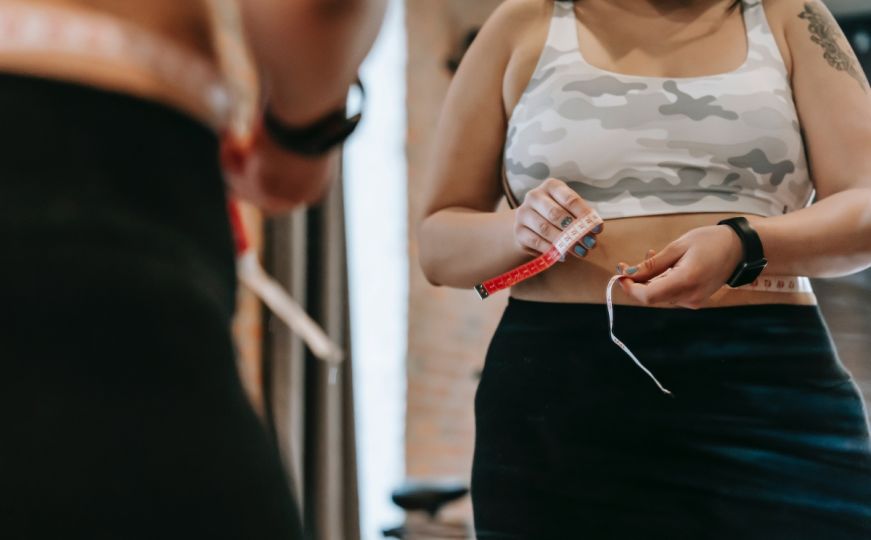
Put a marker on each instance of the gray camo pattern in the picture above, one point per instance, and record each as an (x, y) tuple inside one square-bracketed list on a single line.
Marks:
[(642, 146)]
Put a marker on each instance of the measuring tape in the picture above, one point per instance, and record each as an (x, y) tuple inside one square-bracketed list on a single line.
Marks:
[(277, 299), (566, 240), (579, 229), (781, 284), (101, 40)]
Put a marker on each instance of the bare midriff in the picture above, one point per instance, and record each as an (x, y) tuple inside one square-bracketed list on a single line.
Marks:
[(183, 23), (627, 240)]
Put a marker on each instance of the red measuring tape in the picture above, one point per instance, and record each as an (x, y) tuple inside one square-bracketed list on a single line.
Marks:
[(566, 240)]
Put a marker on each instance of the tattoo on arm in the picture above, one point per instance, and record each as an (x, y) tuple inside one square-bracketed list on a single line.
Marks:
[(826, 33)]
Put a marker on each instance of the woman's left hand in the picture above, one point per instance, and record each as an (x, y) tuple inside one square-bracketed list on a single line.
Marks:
[(687, 271), (260, 172)]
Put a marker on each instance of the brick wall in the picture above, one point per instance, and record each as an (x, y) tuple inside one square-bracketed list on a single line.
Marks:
[(448, 329)]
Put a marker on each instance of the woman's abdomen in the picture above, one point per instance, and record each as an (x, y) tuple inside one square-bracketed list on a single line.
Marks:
[(627, 240)]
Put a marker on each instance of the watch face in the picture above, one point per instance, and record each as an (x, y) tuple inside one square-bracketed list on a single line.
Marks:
[(356, 98), (756, 265), (747, 273)]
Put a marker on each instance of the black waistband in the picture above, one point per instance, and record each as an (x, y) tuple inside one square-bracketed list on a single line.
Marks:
[(97, 169)]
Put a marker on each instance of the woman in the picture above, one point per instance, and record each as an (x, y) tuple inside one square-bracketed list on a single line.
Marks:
[(122, 413), (666, 117)]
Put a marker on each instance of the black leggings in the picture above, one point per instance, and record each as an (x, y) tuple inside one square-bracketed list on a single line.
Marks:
[(765, 436), (121, 412)]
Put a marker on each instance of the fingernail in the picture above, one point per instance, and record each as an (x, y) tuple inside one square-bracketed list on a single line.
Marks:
[(580, 251), (597, 229), (566, 222), (619, 269), (589, 241), (631, 270)]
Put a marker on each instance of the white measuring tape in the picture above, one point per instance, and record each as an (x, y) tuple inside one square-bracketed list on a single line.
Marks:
[(610, 305), (59, 33), (781, 284), (278, 300)]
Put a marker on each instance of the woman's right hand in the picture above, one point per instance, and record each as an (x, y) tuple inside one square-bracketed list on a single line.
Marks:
[(545, 212)]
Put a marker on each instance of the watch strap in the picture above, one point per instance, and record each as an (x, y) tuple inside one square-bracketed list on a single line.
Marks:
[(754, 261), (315, 139), (748, 236)]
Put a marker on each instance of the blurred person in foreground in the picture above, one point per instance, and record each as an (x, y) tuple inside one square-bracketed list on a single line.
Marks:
[(122, 412)]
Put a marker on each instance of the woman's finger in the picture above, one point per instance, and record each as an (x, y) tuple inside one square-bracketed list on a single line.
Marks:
[(557, 215), (531, 242), (543, 227), (621, 267), (559, 205), (566, 197), (673, 288), (655, 264), (569, 199)]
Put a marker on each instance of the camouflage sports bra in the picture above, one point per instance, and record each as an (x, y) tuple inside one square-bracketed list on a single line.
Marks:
[(637, 146)]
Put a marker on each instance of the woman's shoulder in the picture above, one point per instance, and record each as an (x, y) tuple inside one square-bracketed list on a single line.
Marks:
[(524, 9), (513, 20), (789, 20), (512, 40)]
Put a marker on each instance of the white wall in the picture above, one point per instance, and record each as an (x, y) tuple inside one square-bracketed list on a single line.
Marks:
[(375, 199)]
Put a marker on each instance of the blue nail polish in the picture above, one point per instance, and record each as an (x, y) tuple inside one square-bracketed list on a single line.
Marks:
[(631, 270), (580, 251), (566, 222), (619, 269), (597, 229), (589, 241)]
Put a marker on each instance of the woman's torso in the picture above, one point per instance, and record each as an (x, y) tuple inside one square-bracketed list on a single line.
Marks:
[(182, 28), (186, 23), (106, 166), (664, 44)]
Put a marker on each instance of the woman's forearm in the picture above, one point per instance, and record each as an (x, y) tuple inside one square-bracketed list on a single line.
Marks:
[(461, 247), (828, 239), (310, 51)]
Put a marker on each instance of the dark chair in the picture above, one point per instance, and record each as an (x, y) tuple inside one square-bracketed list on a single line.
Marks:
[(428, 497)]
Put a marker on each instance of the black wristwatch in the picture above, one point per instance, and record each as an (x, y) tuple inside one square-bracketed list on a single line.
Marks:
[(754, 259), (318, 138)]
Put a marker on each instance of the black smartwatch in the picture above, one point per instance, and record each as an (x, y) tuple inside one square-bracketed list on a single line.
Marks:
[(754, 259), (318, 138)]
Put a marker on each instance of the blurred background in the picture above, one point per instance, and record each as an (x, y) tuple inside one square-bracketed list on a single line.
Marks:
[(402, 410)]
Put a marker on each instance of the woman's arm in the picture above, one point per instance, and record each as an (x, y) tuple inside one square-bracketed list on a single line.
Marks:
[(463, 240), (830, 238), (310, 51), (833, 236)]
